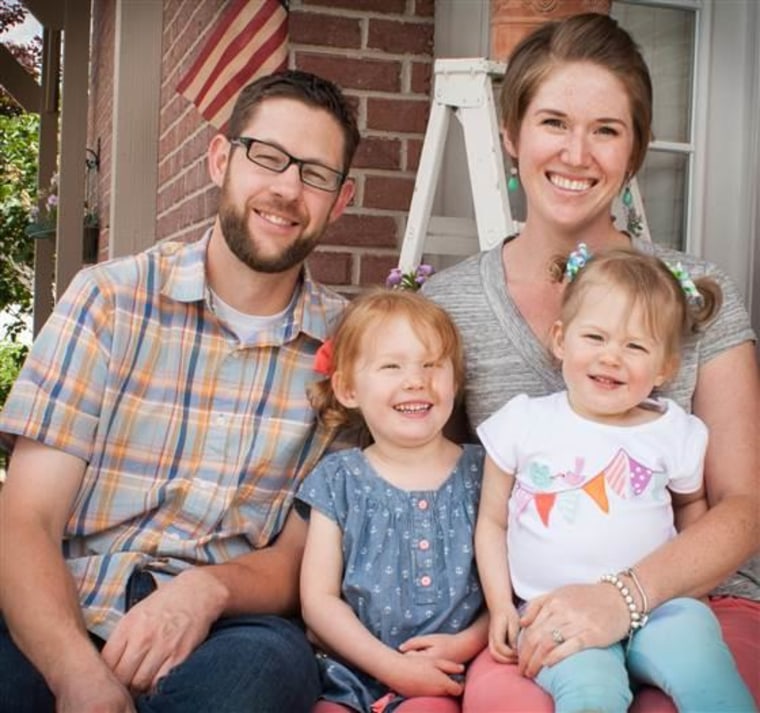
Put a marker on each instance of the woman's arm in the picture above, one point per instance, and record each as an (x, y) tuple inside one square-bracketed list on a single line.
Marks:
[(334, 622), (491, 556), (727, 399), (688, 507)]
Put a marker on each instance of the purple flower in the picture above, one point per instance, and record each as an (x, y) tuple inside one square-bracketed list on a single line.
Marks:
[(52, 201), (411, 280), (422, 273), (394, 278)]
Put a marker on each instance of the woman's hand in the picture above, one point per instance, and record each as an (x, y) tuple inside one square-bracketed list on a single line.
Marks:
[(568, 620)]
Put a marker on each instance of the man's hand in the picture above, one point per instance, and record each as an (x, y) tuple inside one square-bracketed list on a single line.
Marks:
[(163, 629)]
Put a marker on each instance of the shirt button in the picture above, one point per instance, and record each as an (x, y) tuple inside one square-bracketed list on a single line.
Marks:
[(425, 581), (424, 545), (422, 504)]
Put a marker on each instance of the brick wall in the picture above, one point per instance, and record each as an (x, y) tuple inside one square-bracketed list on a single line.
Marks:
[(380, 52)]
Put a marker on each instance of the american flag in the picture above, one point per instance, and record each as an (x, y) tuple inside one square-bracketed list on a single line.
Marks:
[(249, 40)]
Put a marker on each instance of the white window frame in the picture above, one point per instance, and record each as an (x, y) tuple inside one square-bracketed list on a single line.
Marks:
[(694, 147)]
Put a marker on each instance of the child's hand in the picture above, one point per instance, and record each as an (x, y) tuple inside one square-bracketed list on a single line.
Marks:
[(441, 646), (425, 676), (502, 635)]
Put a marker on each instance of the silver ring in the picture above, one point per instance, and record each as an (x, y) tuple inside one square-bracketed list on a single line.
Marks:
[(557, 637)]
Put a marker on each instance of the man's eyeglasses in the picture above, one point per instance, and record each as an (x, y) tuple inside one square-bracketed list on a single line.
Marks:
[(275, 159)]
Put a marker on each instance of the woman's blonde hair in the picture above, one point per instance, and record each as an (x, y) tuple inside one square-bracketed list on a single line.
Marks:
[(670, 315), (431, 323)]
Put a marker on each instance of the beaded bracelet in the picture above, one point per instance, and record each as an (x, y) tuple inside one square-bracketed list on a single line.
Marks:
[(638, 618), (634, 578)]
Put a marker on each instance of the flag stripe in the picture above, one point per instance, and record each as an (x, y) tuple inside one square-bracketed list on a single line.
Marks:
[(236, 41), (250, 40), (212, 45), (274, 48)]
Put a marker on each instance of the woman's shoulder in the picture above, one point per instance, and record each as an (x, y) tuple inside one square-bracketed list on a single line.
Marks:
[(697, 266)]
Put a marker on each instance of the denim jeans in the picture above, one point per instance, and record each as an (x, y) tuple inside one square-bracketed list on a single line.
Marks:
[(680, 651), (248, 664)]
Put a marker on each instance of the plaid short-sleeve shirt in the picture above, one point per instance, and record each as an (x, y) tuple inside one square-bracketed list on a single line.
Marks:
[(194, 442)]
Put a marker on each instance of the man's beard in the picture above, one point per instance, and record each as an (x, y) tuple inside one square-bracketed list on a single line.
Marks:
[(242, 244)]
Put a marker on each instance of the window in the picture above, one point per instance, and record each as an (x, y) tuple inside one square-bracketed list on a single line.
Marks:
[(667, 32)]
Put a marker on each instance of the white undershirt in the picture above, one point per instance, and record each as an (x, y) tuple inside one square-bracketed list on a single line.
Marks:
[(244, 325)]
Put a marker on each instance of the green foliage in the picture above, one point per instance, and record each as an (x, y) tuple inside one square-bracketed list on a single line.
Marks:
[(28, 54), (18, 189), (12, 355)]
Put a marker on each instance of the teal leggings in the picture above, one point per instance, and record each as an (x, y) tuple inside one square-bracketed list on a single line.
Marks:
[(680, 651)]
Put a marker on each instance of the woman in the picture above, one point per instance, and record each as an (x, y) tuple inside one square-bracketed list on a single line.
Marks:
[(577, 110)]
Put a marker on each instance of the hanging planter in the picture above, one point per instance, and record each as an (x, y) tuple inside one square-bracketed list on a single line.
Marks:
[(44, 221), (40, 230), (90, 242)]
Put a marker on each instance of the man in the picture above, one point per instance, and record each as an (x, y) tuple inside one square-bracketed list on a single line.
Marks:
[(161, 427)]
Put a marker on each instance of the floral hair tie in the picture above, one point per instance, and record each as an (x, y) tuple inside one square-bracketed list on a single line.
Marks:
[(576, 261), (323, 359), (687, 284)]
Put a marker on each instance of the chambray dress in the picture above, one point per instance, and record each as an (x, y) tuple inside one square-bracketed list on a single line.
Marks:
[(409, 566)]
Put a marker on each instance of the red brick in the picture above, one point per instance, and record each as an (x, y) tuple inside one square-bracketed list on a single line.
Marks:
[(388, 192), (360, 230), (397, 115), (374, 269), (424, 8), (331, 268), (396, 7), (375, 152), (422, 73), (413, 151), (377, 75), (309, 28), (400, 37)]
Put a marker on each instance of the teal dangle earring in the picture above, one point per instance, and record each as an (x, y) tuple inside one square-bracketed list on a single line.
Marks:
[(514, 180), (633, 221), (627, 196)]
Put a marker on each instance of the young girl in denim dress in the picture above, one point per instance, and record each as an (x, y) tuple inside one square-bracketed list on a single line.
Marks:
[(388, 584)]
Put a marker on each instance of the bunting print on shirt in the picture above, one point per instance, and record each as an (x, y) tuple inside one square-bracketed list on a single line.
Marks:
[(249, 40)]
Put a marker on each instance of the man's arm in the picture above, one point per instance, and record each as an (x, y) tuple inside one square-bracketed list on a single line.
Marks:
[(163, 629), (38, 597)]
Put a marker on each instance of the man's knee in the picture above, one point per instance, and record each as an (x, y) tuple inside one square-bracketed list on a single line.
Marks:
[(261, 663)]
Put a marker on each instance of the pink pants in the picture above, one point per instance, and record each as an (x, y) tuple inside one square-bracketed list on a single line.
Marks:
[(498, 688), (423, 704)]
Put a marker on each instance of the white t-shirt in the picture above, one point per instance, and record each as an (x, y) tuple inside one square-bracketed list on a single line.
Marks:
[(588, 498)]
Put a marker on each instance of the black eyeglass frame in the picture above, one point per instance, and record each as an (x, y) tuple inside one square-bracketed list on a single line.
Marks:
[(247, 141)]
